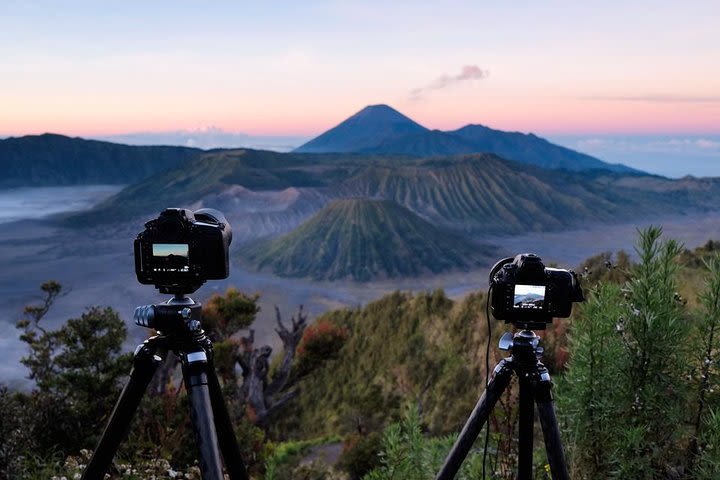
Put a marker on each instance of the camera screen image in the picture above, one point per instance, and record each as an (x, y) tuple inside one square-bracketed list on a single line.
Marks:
[(531, 297), (171, 257)]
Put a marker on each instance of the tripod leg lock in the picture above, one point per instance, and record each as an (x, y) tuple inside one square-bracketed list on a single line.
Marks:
[(147, 352), (503, 367), (543, 388)]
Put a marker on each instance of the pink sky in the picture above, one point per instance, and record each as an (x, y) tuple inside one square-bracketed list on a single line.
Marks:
[(560, 67)]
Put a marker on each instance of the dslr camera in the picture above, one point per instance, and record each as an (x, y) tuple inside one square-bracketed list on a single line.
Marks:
[(529, 295), (181, 249)]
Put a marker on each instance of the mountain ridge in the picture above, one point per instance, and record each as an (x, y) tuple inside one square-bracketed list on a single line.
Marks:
[(363, 239), (51, 159), (380, 129)]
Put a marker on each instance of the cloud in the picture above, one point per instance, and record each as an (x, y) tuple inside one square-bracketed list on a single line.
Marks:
[(696, 146), (663, 98), (669, 155), (468, 72)]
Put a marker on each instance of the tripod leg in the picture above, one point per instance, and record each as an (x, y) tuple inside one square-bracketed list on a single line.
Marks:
[(478, 417), (526, 425), (196, 383), (144, 365), (551, 432), (226, 436)]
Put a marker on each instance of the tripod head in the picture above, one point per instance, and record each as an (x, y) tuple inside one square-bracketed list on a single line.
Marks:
[(179, 314), (524, 346)]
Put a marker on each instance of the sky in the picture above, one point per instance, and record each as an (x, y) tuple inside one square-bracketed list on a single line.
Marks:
[(578, 71)]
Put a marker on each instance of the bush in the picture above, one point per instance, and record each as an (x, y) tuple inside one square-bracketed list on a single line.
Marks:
[(410, 455), (321, 341), (360, 454), (624, 397)]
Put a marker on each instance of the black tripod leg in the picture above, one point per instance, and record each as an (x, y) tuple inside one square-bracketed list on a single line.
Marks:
[(144, 365), (226, 436), (526, 425), (551, 432), (499, 382), (196, 383)]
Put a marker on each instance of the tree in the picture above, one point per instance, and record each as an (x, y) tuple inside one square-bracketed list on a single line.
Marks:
[(703, 454), (624, 390), (321, 341), (77, 371), (264, 395), (259, 392)]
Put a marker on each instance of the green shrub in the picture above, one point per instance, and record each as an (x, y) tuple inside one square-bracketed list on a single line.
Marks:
[(360, 454), (625, 398)]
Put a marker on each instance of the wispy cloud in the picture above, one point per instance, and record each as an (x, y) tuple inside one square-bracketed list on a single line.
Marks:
[(467, 73), (664, 98)]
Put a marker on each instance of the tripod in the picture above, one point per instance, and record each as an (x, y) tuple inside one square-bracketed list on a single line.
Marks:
[(535, 387), (178, 324)]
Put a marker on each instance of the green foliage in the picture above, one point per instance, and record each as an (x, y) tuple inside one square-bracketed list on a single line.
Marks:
[(15, 438), (362, 239), (360, 454), (625, 388), (408, 454), (587, 395), (287, 461), (654, 334), (640, 397), (42, 343), (704, 454), (707, 463), (321, 341), (422, 348), (77, 369), (223, 315)]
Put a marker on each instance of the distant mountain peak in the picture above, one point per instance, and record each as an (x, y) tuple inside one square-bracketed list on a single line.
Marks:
[(380, 129), (382, 112), (363, 239), (364, 130)]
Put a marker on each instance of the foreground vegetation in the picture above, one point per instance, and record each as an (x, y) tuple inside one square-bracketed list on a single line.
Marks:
[(378, 392)]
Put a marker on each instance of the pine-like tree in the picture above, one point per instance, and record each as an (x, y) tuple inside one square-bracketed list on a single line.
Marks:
[(625, 391)]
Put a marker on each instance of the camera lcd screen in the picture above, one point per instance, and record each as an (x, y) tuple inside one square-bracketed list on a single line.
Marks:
[(529, 297), (171, 257)]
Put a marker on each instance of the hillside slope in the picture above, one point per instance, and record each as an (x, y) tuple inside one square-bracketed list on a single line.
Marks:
[(362, 239), (480, 194), (402, 349), (530, 149), (210, 175), (48, 159)]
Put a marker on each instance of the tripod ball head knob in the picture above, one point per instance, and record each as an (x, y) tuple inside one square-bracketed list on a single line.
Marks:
[(144, 315), (506, 342)]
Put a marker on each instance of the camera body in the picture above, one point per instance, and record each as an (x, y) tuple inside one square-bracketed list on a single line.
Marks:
[(181, 249), (529, 295)]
